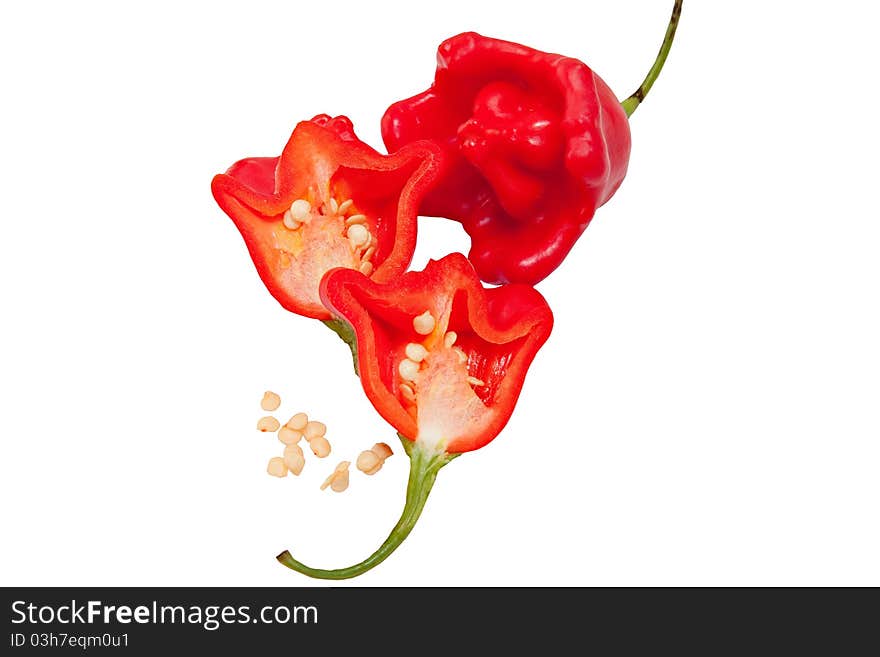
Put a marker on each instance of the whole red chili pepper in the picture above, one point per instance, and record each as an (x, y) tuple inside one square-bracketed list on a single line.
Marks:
[(328, 201), (534, 143), (443, 360)]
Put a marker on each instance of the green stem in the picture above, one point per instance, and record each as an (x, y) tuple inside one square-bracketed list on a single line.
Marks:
[(346, 333), (631, 103), (423, 470)]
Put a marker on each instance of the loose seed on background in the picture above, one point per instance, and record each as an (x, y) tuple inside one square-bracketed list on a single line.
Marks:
[(370, 461), (289, 436), (270, 401), (298, 422), (320, 446), (338, 479), (268, 423), (314, 429), (294, 459), (276, 467)]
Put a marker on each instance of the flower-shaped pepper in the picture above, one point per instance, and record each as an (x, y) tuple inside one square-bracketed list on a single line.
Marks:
[(328, 201), (443, 360), (534, 143)]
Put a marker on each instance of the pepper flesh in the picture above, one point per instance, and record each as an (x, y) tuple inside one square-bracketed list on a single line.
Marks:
[(533, 143), (322, 166), (473, 361)]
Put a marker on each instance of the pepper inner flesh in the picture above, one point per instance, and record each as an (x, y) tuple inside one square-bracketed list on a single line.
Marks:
[(445, 402), (450, 387), (333, 232), (320, 243)]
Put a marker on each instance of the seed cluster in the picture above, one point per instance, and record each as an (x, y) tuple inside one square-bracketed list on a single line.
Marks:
[(415, 354), (299, 426), (356, 230)]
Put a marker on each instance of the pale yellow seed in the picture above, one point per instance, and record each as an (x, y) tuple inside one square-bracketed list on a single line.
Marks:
[(314, 429), (366, 268), (289, 221), (300, 209), (462, 357), (474, 381), (340, 482), (345, 206), (289, 436), (369, 253), (338, 479), (408, 369), (369, 462), (276, 467), (358, 235), (424, 323), (268, 423), (408, 393), (449, 339), (270, 401), (298, 422), (320, 446), (294, 459), (334, 206), (356, 219), (416, 352)]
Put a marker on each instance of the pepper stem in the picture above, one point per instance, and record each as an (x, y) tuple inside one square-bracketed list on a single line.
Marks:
[(423, 468), (631, 103), (346, 333)]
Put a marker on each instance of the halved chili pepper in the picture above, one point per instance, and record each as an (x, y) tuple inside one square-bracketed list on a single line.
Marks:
[(328, 201), (443, 360), (534, 143)]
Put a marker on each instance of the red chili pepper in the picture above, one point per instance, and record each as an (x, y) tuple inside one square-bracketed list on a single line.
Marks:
[(443, 360), (535, 142), (328, 201)]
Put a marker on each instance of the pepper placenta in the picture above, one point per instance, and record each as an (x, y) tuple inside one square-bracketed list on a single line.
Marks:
[(328, 201), (534, 143), (442, 359)]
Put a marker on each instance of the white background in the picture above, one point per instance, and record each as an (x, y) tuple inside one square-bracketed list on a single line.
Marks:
[(705, 413)]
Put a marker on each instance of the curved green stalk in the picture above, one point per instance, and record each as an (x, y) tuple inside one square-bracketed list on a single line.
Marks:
[(423, 470), (631, 103), (346, 333)]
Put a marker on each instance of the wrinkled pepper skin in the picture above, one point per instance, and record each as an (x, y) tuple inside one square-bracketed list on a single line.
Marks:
[(533, 144), (325, 164), (489, 335)]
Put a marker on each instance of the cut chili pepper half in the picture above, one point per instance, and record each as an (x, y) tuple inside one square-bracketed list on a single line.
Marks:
[(328, 201), (443, 360), (535, 142), (440, 357)]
